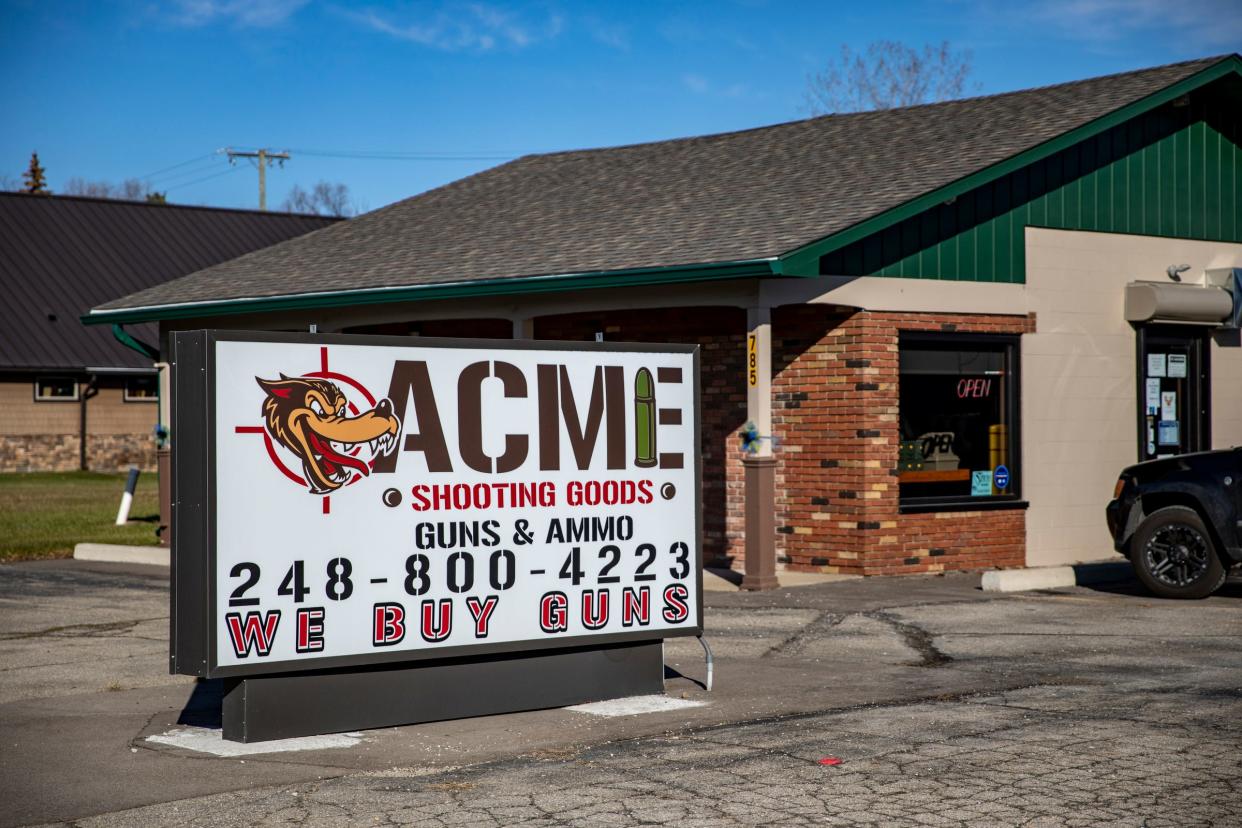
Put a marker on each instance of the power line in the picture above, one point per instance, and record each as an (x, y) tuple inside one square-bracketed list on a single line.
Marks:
[(175, 166), (206, 178), (173, 178), (379, 155)]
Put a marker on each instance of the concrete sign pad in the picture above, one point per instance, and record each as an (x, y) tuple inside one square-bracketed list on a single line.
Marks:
[(211, 740), (635, 705)]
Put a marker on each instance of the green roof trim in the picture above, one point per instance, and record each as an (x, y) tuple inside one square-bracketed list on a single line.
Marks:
[(804, 261), (756, 268)]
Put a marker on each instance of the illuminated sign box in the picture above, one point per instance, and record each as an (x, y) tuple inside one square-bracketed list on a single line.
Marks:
[(344, 500)]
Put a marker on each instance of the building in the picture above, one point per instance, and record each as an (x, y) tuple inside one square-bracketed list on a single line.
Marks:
[(948, 326), (73, 397)]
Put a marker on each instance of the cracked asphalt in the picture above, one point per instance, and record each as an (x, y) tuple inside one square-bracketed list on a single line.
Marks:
[(943, 705)]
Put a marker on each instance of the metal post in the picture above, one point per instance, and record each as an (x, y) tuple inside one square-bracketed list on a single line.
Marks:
[(524, 327)]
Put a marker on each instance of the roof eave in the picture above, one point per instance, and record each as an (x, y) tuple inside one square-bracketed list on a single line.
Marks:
[(804, 260), (750, 268)]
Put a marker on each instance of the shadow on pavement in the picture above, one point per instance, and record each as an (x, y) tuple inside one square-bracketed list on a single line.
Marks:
[(203, 708), (1117, 578)]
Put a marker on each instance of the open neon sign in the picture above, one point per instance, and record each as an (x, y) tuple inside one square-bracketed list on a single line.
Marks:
[(972, 388)]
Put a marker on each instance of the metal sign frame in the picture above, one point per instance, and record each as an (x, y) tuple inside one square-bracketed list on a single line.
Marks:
[(193, 626)]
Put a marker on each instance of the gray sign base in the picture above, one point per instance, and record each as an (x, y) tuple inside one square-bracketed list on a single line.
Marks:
[(306, 704)]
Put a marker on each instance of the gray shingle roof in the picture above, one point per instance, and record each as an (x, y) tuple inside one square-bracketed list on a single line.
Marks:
[(718, 198), (61, 255)]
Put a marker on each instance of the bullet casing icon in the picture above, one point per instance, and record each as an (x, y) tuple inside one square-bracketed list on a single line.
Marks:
[(644, 420)]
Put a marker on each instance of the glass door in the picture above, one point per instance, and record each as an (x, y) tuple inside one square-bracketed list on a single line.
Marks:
[(1173, 391)]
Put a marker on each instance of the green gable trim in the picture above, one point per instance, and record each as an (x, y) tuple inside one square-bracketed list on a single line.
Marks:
[(1172, 171), (928, 221), (492, 287)]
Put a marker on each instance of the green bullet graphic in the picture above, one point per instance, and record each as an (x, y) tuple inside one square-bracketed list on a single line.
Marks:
[(644, 420)]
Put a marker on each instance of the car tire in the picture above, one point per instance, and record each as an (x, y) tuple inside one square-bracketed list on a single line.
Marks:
[(1173, 554)]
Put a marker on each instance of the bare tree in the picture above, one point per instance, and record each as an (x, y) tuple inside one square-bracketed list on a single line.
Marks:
[(131, 189), (323, 200), (888, 74)]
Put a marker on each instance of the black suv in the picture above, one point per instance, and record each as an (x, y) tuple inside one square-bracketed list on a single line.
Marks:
[(1179, 521)]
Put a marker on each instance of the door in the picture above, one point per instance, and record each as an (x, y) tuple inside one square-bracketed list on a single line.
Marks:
[(1174, 390)]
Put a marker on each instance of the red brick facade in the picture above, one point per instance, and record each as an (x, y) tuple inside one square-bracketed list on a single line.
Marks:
[(834, 412)]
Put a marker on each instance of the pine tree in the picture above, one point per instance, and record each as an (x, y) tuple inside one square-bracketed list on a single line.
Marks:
[(36, 180)]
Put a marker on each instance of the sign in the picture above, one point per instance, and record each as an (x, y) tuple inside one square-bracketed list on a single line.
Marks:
[(980, 483), (1168, 405), (1177, 366), (974, 388), (1155, 365), (1000, 476), (377, 499), (1167, 432), (752, 360), (1153, 395)]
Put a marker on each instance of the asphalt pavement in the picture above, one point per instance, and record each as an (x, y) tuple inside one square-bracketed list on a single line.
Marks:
[(917, 700)]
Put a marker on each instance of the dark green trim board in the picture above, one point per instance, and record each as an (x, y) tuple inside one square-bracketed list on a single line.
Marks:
[(491, 287), (878, 236)]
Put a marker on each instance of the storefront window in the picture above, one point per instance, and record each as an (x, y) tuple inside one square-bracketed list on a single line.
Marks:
[(958, 407)]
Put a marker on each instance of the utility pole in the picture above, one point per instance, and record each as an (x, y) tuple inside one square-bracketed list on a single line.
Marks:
[(263, 157)]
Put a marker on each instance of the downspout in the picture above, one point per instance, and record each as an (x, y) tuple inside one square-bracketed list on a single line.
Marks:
[(123, 336), (152, 353), (89, 391), (162, 453)]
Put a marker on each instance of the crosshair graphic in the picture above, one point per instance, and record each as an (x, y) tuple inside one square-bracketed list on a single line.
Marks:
[(324, 373)]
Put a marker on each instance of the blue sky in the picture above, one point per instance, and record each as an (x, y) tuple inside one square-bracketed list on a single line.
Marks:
[(125, 89)]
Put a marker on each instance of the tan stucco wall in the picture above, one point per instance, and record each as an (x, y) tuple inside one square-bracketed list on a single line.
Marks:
[(1078, 389), (106, 413)]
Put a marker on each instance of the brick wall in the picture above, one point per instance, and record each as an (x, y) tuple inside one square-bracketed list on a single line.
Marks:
[(835, 413)]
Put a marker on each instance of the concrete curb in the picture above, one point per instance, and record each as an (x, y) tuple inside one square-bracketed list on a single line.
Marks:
[(1053, 577), (116, 553)]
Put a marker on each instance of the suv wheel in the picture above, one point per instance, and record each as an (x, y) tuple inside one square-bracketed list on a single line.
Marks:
[(1173, 555)]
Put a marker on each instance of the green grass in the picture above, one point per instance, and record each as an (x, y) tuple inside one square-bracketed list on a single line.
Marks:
[(42, 515)]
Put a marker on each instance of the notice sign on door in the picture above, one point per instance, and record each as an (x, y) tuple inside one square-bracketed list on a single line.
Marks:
[(1153, 396), (368, 499), (1156, 365)]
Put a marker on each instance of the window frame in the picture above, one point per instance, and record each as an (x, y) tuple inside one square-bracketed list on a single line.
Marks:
[(1011, 348), (127, 397), (39, 380)]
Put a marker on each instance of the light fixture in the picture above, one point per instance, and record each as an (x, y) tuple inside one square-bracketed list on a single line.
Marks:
[(1175, 271)]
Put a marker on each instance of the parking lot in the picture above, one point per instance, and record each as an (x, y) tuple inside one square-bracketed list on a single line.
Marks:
[(916, 700)]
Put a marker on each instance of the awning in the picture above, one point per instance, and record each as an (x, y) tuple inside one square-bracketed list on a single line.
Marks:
[(1184, 304)]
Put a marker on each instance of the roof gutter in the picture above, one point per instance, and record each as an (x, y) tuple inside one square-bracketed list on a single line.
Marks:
[(750, 268)]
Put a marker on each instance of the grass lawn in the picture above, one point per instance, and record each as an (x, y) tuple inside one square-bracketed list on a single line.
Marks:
[(42, 515)]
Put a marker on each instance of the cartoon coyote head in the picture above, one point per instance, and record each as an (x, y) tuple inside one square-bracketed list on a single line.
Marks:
[(308, 417)]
